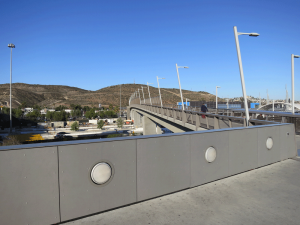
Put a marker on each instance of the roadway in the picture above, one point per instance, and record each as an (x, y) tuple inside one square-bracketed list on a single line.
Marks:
[(268, 195)]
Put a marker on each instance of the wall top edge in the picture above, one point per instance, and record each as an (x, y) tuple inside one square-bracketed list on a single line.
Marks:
[(64, 143)]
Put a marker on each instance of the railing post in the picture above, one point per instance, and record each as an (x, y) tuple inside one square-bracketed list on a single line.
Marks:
[(283, 119), (216, 123), (230, 123), (183, 117), (207, 125), (245, 125), (197, 121), (174, 115)]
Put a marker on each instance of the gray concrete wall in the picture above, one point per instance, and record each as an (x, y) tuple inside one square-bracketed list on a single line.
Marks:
[(34, 177)]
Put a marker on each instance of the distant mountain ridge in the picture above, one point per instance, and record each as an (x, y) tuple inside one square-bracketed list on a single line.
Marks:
[(55, 95)]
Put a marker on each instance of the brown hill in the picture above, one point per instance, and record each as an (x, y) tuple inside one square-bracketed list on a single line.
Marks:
[(55, 95)]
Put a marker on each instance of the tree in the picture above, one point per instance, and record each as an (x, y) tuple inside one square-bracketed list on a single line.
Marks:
[(18, 113), (101, 114), (109, 114), (37, 107), (33, 115), (111, 107), (75, 126), (60, 108), (5, 110), (100, 124), (24, 104), (90, 114), (116, 109), (86, 108), (120, 122), (76, 112), (49, 115), (60, 116), (74, 107)]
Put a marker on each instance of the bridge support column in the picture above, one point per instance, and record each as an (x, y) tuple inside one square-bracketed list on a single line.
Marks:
[(137, 119), (128, 113), (150, 127)]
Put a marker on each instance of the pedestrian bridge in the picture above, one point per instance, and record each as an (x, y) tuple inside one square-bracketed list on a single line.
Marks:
[(151, 117)]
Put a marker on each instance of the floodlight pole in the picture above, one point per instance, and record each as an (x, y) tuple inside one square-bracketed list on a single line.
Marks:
[(293, 84), (139, 96), (149, 92), (186, 67), (236, 34), (179, 87), (143, 94), (159, 91), (217, 96), (11, 46)]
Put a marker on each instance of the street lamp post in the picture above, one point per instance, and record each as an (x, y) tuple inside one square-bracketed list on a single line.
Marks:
[(139, 96), (149, 92), (217, 96), (143, 94), (236, 34), (179, 83), (293, 94), (11, 46), (186, 99), (120, 98), (159, 90)]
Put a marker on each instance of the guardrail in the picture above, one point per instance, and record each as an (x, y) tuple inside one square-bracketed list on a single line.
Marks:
[(55, 182), (199, 119), (274, 116), (271, 117)]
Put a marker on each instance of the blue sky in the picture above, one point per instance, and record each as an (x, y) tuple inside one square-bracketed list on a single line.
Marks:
[(94, 44)]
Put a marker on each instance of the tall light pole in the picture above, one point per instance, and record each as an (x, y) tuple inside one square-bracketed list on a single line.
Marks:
[(236, 35), (11, 46), (293, 93), (139, 96), (159, 90), (149, 92), (120, 98), (286, 95), (179, 83), (143, 94), (186, 102), (217, 96)]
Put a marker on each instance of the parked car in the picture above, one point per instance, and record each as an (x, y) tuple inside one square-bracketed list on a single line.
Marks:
[(60, 135)]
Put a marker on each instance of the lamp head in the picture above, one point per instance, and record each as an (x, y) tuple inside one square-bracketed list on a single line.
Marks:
[(11, 45), (218, 87), (254, 34), (296, 56), (186, 67)]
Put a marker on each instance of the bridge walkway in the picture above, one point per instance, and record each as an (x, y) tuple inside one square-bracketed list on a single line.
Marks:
[(268, 195)]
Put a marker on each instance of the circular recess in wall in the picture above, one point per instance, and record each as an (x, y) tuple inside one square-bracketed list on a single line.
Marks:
[(101, 173), (269, 143), (210, 154)]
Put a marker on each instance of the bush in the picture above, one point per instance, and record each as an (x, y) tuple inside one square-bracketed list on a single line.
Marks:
[(120, 122), (100, 124), (75, 126), (11, 140)]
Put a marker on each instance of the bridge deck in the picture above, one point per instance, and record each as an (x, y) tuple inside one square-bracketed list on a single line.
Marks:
[(268, 195)]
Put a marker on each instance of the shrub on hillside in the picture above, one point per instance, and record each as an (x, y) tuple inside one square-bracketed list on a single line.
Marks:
[(75, 126)]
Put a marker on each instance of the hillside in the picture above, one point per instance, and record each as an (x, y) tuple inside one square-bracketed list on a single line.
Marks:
[(55, 95)]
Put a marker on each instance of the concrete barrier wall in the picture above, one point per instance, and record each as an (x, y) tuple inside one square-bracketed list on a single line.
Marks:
[(50, 183)]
